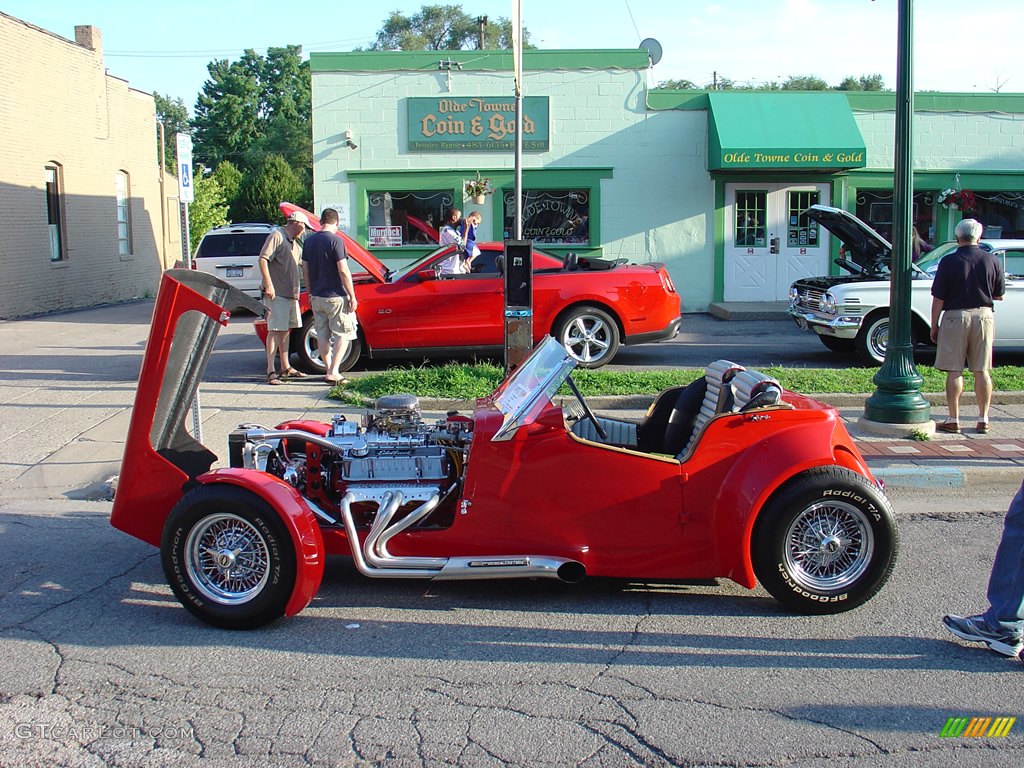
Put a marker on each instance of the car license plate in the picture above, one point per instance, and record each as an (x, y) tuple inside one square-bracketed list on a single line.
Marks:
[(801, 323), (234, 272)]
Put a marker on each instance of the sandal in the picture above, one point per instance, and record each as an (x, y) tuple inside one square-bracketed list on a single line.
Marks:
[(291, 373), (334, 382), (273, 379)]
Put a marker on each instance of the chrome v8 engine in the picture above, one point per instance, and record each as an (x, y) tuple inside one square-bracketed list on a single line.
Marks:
[(391, 446)]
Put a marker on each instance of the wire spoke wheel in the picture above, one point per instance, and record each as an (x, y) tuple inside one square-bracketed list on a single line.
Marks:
[(227, 559), (829, 546), (826, 541)]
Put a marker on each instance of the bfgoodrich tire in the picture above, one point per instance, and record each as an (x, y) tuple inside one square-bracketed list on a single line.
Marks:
[(228, 557), (825, 542)]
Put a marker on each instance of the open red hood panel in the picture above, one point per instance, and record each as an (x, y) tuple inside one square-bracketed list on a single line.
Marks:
[(356, 252)]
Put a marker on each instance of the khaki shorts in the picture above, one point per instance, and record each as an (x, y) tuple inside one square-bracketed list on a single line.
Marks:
[(332, 318), (965, 335), (282, 314)]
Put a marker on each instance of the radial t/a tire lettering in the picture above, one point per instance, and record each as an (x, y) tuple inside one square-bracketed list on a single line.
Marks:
[(825, 542), (228, 557)]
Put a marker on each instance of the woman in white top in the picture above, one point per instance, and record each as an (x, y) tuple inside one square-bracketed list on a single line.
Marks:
[(449, 235)]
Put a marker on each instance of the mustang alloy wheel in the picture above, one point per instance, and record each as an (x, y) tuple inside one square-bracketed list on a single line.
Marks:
[(825, 542), (228, 557), (306, 346), (590, 335)]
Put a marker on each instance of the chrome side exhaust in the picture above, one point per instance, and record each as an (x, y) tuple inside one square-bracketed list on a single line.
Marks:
[(373, 559)]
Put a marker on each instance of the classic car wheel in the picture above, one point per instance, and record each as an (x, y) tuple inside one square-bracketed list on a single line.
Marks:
[(590, 335), (825, 542), (843, 346), (873, 339), (307, 350), (228, 557)]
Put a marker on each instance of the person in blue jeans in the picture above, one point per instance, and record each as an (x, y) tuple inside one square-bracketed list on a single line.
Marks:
[(1001, 627)]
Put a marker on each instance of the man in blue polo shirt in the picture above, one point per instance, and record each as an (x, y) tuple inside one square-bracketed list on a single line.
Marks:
[(332, 296)]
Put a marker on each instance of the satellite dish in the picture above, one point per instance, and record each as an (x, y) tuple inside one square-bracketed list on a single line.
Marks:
[(653, 48)]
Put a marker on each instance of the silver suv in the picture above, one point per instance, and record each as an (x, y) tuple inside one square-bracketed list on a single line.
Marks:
[(230, 252)]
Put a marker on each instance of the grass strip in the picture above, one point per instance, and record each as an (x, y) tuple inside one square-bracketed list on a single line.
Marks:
[(464, 381)]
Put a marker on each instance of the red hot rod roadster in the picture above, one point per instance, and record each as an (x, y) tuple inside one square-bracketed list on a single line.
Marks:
[(730, 476)]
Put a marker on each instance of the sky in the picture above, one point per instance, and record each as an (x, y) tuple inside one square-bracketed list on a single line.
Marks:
[(959, 46)]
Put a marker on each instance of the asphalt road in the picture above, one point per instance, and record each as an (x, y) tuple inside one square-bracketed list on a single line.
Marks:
[(99, 665)]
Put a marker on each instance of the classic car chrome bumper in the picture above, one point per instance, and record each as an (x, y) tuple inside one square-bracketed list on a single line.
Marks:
[(842, 327)]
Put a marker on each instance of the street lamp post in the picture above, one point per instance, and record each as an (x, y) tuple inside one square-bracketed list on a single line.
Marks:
[(898, 399)]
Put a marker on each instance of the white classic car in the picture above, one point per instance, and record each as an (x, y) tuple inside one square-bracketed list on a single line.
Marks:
[(850, 313)]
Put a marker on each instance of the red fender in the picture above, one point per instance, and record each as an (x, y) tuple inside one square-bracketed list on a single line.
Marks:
[(300, 521), (760, 471)]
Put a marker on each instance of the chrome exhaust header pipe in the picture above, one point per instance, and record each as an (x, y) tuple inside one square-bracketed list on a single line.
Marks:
[(512, 567), (372, 558)]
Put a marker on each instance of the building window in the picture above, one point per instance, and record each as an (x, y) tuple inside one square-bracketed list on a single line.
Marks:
[(876, 209), (750, 217), (802, 231), (406, 218), (551, 215), (122, 192), (54, 211)]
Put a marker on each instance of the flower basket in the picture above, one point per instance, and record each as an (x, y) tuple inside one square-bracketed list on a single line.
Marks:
[(958, 200), (477, 189)]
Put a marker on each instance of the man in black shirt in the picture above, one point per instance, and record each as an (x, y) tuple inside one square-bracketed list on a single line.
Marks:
[(967, 283)]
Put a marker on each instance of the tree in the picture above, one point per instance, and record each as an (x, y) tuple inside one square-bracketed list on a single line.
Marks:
[(173, 115), (804, 83), (230, 180), (862, 83), (442, 28), (264, 187), (227, 113), (254, 108), (678, 85), (208, 208)]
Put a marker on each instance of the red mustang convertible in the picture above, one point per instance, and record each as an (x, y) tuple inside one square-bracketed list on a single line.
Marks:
[(728, 477), (592, 306)]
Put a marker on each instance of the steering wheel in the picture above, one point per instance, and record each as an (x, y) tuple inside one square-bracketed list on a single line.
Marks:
[(586, 407)]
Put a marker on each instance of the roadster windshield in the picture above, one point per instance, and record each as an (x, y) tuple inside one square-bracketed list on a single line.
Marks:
[(530, 387)]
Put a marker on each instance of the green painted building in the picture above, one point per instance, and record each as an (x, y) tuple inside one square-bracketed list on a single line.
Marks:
[(713, 184)]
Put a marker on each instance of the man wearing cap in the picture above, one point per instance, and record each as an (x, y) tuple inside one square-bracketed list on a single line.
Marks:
[(279, 265)]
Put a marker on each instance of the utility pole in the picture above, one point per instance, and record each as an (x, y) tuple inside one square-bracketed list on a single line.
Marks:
[(482, 24)]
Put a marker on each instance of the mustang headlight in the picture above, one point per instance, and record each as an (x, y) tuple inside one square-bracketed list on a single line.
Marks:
[(828, 304)]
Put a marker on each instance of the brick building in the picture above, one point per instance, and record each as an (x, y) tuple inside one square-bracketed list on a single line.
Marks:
[(83, 220)]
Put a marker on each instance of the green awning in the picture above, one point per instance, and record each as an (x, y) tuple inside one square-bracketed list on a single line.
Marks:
[(797, 130)]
